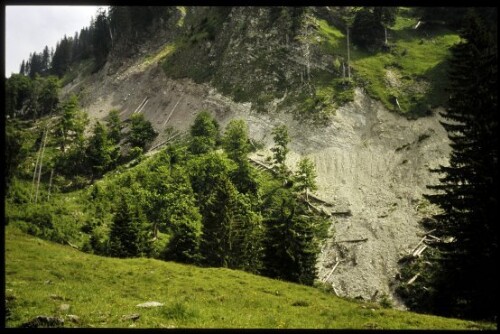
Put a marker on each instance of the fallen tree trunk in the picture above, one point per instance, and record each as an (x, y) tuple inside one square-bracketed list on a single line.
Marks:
[(353, 240)]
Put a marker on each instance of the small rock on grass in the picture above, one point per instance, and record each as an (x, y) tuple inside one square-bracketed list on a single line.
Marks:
[(43, 321), (150, 304), (73, 318), (133, 316), (64, 307)]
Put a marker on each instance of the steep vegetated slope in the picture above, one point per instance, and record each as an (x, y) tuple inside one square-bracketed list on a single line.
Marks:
[(272, 66), (373, 136)]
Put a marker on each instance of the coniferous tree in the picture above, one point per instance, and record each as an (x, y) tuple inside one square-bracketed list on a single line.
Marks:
[(100, 152), (70, 133), (216, 203), (236, 144), (120, 22), (141, 131), (124, 235), (22, 69), (464, 283), (305, 176), (183, 220), (114, 127), (387, 17), (101, 39), (48, 94), (204, 133), (62, 57), (36, 65), (291, 242), (367, 29), (281, 139), (45, 61)]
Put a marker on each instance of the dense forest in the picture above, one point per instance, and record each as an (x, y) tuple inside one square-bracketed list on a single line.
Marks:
[(199, 200)]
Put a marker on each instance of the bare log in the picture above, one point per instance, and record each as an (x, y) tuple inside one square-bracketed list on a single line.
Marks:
[(71, 245), (353, 240), (418, 245), (333, 269), (420, 250), (413, 279), (140, 105), (171, 112)]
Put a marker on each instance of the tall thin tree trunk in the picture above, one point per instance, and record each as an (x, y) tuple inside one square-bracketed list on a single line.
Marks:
[(34, 172), (41, 164), (50, 182), (385, 32), (110, 35), (348, 56)]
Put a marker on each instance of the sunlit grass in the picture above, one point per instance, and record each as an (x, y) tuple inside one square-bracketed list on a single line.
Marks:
[(161, 55), (40, 276), (417, 58)]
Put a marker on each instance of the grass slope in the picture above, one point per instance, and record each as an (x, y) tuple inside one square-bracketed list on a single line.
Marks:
[(413, 71), (40, 276)]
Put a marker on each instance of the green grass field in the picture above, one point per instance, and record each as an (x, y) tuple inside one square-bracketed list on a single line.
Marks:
[(41, 275)]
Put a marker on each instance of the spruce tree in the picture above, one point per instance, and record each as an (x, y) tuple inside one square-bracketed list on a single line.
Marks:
[(101, 39), (291, 241), (141, 132), (114, 127), (215, 197), (236, 145), (204, 133), (99, 151), (183, 220), (466, 281), (367, 29), (281, 139), (305, 176), (22, 69), (124, 235)]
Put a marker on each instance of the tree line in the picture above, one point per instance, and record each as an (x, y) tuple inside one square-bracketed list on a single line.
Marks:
[(213, 206), (198, 201)]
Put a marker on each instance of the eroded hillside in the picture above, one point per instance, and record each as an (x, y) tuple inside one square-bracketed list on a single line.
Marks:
[(372, 164)]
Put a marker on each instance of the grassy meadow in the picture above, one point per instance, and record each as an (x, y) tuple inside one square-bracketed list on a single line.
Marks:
[(41, 276)]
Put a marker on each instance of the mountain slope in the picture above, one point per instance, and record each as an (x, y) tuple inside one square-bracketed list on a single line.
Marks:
[(372, 164), (100, 291)]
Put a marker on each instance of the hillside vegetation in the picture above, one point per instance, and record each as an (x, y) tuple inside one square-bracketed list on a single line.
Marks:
[(287, 142), (41, 276)]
